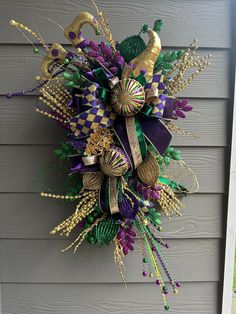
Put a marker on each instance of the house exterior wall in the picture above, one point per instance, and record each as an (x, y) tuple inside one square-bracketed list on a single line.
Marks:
[(36, 277)]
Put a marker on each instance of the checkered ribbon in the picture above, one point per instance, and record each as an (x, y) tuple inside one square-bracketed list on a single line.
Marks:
[(155, 94), (99, 115), (89, 96), (84, 123)]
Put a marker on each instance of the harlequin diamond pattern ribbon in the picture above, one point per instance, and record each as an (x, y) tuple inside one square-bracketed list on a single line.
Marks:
[(89, 96), (155, 94), (84, 123)]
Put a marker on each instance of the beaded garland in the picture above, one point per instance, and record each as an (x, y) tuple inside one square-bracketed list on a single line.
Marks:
[(117, 104)]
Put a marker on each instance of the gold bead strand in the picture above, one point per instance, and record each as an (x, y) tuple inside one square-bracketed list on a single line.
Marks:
[(49, 104), (49, 115), (46, 98), (23, 27), (82, 236), (62, 197), (59, 102)]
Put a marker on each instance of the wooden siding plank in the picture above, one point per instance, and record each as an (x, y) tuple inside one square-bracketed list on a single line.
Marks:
[(212, 83), (31, 216), (195, 298), (41, 261), (20, 124), (21, 167), (184, 19)]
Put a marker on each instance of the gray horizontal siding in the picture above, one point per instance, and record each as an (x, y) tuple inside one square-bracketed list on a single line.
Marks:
[(198, 298), (184, 20), (41, 261), (201, 216), (37, 278)]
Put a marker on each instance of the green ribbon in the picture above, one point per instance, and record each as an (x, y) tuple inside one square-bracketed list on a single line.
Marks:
[(141, 139), (102, 77), (104, 191), (147, 110), (173, 185), (103, 93)]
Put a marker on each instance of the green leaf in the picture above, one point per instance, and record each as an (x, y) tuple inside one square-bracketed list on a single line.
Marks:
[(58, 151), (167, 160), (166, 56), (169, 150), (66, 147), (63, 156), (158, 26), (167, 66), (180, 53)]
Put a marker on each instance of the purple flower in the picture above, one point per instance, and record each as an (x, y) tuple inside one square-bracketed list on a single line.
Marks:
[(126, 237), (181, 106), (104, 54)]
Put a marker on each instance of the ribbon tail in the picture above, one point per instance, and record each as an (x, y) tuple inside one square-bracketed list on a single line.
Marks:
[(108, 196), (156, 133)]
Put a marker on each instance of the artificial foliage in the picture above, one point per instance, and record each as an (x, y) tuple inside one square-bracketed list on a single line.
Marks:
[(118, 103)]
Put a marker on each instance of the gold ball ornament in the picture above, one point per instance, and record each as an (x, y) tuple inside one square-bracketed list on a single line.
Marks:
[(127, 97), (114, 163), (13, 22)]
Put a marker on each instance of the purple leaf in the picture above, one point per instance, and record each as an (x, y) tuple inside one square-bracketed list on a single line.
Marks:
[(180, 113), (187, 108), (131, 232), (177, 103), (129, 239), (94, 45), (130, 246), (109, 53), (93, 53), (183, 103), (125, 250), (116, 57), (103, 48), (100, 58)]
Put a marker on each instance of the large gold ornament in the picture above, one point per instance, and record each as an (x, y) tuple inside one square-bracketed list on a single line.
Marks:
[(128, 97), (114, 162), (148, 171), (92, 180)]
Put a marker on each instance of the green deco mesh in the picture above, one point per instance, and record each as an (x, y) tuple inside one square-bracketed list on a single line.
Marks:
[(131, 47), (106, 230)]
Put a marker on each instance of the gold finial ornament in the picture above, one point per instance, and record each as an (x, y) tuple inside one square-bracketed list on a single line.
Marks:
[(73, 31)]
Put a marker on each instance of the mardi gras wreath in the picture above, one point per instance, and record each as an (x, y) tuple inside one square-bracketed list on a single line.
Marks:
[(116, 102)]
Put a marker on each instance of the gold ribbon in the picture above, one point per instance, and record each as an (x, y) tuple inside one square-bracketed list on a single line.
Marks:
[(113, 196), (151, 95), (113, 81), (133, 141), (90, 160)]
